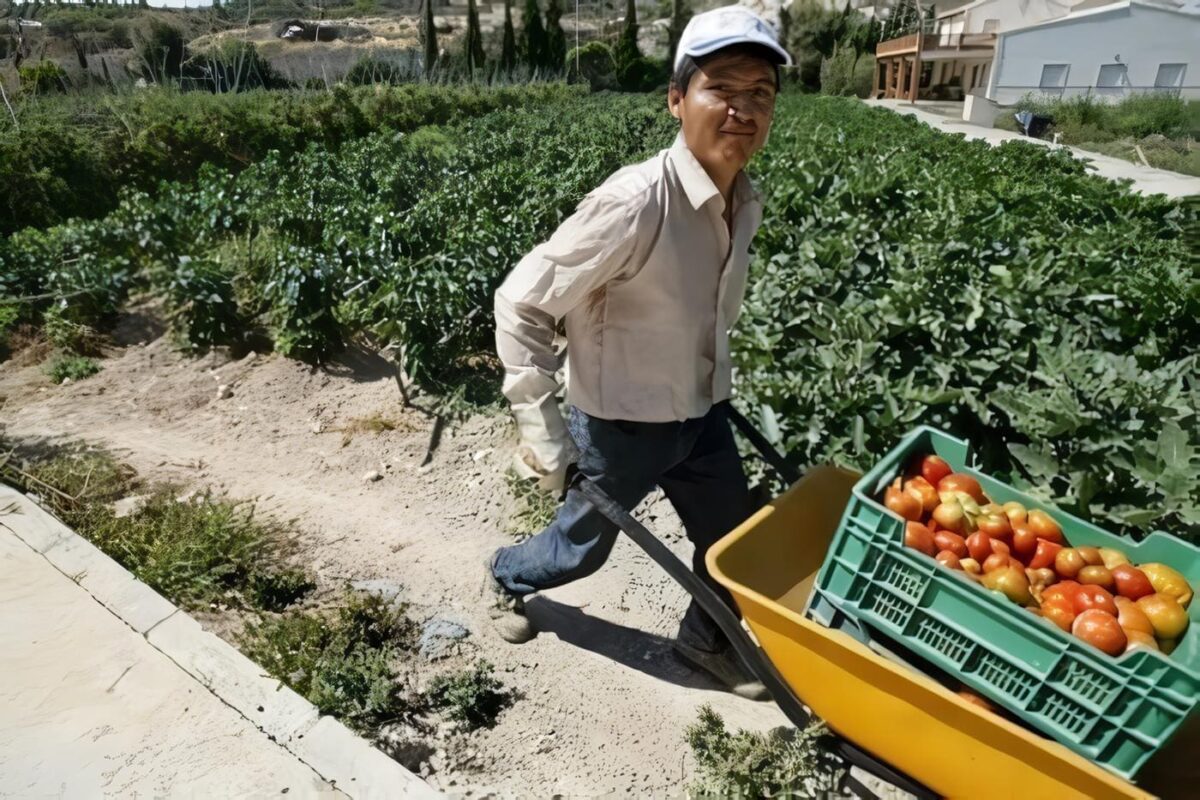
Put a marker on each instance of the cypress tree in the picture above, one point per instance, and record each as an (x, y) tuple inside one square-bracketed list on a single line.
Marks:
[(533, 36), (473, 42), (556, 39), (681, 12), (428, 37), (508, 47), (627, 47)]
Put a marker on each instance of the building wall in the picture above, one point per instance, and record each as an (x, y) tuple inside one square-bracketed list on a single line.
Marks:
[(1005, 15), (1141, 37)]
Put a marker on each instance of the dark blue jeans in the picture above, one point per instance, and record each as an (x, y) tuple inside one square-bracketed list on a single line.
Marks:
[(697, 465)]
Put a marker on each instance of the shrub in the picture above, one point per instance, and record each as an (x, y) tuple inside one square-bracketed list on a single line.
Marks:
[(782, 763), (231, 66), (472, 696), (643, 74), (342, 661), (44, 77), (71, 367), (595, 66), (160, 51), (9, 314)]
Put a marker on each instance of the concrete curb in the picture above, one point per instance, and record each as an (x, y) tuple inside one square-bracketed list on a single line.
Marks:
[(330, 749)]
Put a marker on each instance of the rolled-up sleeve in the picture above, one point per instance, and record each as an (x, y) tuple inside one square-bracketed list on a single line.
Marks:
[(586, 250)]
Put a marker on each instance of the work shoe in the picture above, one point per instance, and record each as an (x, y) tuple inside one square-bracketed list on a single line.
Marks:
[(726, 667), (505, 610)]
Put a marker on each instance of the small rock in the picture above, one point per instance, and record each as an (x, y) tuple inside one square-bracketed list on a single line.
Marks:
[(224, 392), (129, 505), (65, 382), (372, 476), (317, 427), (440, 638), (405, 744)]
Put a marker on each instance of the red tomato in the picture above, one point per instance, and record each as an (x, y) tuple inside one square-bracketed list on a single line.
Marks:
[(1044, 555), (959, 482), (947, 540), (1062, 589), (934, 468), (1131, 582), (924, 492), (918, 537), (1024, 543), (1100, 630), (1092, 597), (979, 545), (996, 526)]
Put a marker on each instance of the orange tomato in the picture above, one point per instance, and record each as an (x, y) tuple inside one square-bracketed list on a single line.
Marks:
[(1011, 582), (1094, 598), (1016, 512), (1065, 589), (960, 482), (951, 516), (1091, 556), (996, 561), (1068, 562), (1059, 611), (1096, 575), (918, 537), (1131, 582), (924, 492), (996, 526), (949, 559), (1100, 630), (1165, 614), (903, 504), (1140, 639), (1044, 526), (1131, 617)]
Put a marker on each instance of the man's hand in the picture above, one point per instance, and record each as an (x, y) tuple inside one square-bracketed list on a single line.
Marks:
[(544, 447)]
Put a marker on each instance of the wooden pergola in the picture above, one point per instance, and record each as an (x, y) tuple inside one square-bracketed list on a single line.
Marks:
[(900, 62)]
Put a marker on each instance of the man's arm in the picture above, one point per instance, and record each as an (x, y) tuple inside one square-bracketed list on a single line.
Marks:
[(589, 248)]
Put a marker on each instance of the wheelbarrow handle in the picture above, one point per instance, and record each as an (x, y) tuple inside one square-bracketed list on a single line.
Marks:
[(750, 654), (772, 456)]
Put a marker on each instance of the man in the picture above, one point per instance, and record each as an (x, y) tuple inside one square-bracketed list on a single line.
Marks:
[(647, 276)]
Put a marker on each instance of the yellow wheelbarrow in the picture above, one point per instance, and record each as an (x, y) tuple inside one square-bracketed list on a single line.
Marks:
[(891, 721)]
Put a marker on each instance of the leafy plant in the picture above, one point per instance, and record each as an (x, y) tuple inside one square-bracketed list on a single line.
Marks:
[(42, 78), (342, 661), (71, 367), (473, 696), (535, 509), (782, 763)]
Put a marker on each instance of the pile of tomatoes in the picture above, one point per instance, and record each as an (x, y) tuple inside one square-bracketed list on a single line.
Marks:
[(1094, 593)]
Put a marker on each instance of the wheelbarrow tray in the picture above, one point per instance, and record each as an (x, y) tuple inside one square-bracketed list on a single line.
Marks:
[(769, 564)]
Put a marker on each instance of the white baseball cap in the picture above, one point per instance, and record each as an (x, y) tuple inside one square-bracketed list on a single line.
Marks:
[(721, 27)]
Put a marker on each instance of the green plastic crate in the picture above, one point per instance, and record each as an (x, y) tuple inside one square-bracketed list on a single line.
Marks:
[(1115, 711)]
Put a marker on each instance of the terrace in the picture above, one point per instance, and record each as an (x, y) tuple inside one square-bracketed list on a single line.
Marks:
[(900, 61)]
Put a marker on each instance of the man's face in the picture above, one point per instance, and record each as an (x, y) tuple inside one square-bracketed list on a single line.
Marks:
[(722, 141)]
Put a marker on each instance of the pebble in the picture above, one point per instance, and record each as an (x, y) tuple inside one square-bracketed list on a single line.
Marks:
[(224, 392), (372, 476)]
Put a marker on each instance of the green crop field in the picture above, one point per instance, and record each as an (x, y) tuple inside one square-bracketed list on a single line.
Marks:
[(900, 276)]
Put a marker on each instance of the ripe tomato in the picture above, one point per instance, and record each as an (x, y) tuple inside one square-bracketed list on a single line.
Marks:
[(1024, 543), (1131, 582), (1063, 589), (948, 559), (934, 468), (1100, 630), (1059, 611), (996, 526), (1045, 527), (947, 540), (924, 492), (1165, 614), (1011, 582), (1068, 562), (995, 562), (1045, 554), (960, 482), (901, 503), (1092, 597), (979, 545), (1016, 512), (918, 537), (1091, 556)]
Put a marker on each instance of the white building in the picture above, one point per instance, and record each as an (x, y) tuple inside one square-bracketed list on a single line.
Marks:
[(1109, 50)]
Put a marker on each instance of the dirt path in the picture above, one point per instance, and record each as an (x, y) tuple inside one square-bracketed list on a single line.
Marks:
[(605, 703)]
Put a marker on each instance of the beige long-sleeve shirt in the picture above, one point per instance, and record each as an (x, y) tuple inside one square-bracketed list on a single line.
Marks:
[(648, 280)]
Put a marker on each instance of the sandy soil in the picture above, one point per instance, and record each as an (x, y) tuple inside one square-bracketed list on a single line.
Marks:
[(604, 702)]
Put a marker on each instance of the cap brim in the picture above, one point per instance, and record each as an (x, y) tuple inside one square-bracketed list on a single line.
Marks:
[(712, 47)]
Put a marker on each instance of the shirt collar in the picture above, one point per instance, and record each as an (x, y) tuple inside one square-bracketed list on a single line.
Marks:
[(696, 183)]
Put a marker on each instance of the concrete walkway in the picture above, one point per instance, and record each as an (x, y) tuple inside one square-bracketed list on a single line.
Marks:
[(107, 690), (1146, 180)]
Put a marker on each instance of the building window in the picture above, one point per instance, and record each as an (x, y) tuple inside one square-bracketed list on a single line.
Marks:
[(1054, 78), (1113, 76), (1170, 78)]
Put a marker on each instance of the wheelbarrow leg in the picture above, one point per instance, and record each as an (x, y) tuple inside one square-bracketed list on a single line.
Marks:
[(731, 626)]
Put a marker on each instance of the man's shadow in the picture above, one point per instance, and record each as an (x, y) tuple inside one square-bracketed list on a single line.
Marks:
[(630, 647)]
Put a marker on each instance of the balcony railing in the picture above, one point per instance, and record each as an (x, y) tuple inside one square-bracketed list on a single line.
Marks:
[(903, 45)]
